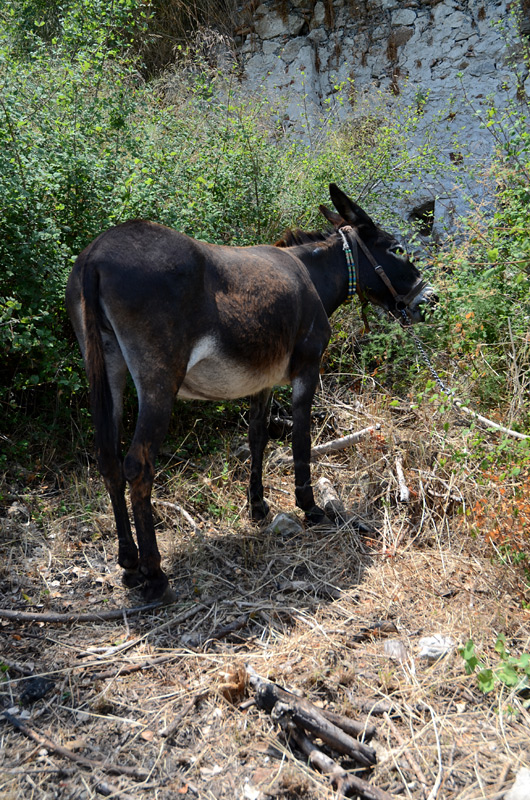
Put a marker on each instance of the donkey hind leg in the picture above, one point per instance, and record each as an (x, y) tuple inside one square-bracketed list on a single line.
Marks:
[(258, 436), (304, 386), (139, 469), (110, 456)]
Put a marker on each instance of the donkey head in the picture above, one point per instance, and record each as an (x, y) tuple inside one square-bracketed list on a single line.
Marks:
[(385, 274)]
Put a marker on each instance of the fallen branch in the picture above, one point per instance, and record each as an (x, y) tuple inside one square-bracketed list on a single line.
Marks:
[(49, 744), (97, 616), (488, 422), (343, 782), (284, 455), (344, 442)]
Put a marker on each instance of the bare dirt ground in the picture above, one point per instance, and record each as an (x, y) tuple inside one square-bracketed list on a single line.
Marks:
[(333, 613)]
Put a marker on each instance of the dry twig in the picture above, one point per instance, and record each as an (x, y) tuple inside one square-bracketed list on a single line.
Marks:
[(49, 744)]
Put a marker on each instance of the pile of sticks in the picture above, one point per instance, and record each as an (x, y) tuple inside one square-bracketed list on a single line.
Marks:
[(303, 722)]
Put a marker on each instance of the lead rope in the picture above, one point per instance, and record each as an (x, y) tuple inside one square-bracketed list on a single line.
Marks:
[(450, 393)]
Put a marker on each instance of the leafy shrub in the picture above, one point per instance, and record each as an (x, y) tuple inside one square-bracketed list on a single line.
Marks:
[(86, 143), (512, 671), (483, 318)]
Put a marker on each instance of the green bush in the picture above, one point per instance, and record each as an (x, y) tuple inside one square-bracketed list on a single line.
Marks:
[(86, 143), (483, 318)]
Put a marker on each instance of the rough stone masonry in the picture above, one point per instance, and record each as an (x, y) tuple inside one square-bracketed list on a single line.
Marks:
[(450, 57)]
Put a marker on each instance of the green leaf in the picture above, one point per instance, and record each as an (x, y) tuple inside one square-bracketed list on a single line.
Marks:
[(486, 680), (500, 645), (508, 675)]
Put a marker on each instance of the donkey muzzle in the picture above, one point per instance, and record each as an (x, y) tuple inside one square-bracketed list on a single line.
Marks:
[(415, 309)]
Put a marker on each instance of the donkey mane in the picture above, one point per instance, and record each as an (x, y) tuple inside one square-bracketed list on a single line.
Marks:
[(291, 238)]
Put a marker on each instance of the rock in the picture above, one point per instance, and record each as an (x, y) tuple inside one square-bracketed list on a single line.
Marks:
[(319, 15), (439, 50), (285, 525), (403, 16), (270, 26)]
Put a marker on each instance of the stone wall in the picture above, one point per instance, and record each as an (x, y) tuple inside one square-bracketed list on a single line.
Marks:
[(450, 56)]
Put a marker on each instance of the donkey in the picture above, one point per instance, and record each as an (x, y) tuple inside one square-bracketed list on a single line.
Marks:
[(210, 322)]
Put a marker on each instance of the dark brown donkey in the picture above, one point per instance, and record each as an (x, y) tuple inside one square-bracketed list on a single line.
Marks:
[(207, 322)]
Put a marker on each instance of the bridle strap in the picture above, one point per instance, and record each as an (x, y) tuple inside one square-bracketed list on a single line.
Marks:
[(402, 300), (353, 283)]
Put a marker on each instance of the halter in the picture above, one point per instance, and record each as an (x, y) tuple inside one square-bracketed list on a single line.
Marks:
[(402, 300)]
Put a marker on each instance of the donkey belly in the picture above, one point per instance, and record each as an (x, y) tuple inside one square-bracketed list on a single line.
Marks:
[(213, 375)]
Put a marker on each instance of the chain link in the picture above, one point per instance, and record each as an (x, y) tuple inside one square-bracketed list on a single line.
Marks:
[(419, 346)]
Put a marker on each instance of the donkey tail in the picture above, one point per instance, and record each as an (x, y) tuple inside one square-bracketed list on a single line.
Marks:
[(101, 399)]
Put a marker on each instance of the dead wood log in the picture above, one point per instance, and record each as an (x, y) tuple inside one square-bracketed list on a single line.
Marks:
[(351, 726), (342, 443), (97, 616), (314, 722), (343, 782), (310, 718), (330, 501), (64, 752)]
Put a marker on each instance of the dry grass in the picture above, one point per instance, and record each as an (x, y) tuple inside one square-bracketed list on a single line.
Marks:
[(307, 601)]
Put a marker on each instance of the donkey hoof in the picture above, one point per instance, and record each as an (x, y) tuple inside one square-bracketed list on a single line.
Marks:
[(259, 511), (132, 579), (169, 596), (316, 516), (158, 589)]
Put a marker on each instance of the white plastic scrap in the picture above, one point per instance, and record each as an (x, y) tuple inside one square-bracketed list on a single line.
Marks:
[(521, 788), (434, 647), (395, 649)]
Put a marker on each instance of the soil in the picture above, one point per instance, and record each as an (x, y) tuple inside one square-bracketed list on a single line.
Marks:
[(335, 613)]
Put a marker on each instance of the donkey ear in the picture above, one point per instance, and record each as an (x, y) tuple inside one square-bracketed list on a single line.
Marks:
[(351, 212), (332, 216)]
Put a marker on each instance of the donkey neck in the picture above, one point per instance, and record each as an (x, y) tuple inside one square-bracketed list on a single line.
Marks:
[(327, 266)]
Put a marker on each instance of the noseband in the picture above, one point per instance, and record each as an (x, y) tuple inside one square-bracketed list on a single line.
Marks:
[(401, 300)]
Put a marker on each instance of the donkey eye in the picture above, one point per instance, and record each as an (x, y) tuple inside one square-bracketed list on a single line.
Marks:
[(398, 250)]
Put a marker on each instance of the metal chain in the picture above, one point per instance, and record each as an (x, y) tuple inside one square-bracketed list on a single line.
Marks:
[(451, 393), (445, 389)]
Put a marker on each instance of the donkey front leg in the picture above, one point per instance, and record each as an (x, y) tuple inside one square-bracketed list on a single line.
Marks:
[(304, 387), (258, 436)]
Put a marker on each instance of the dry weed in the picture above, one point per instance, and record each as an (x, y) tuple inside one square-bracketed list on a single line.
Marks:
[(311, 611)]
